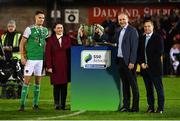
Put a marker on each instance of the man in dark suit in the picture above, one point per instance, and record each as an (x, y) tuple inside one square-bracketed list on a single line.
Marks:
[(127, 42), (151, 66)]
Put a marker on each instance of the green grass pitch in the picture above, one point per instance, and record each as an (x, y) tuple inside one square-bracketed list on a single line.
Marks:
[(9, 107)]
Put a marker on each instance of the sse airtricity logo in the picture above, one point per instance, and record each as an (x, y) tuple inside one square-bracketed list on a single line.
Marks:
[(95, 59), (88, 58)]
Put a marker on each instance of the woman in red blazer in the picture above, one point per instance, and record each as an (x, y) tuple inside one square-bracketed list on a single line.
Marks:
[(56, 63)]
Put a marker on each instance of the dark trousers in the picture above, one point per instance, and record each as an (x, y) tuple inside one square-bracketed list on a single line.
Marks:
[(152, 81), (60, 94), (129, 81)]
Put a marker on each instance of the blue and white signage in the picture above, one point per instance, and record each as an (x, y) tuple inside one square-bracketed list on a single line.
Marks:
[(95, 59)]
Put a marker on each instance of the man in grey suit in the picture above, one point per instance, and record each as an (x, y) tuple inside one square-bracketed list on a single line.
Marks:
[(127, 43)]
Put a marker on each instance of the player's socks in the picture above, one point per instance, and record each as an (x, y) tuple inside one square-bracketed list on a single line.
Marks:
[(24, 94), (36, 94)]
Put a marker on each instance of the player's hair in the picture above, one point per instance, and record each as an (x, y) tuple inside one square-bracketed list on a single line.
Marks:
[(39, 12)]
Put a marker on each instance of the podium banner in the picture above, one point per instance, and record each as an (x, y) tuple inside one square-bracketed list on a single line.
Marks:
[(95, 83)]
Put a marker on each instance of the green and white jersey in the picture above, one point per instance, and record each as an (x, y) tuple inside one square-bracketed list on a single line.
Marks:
[(35, 45)]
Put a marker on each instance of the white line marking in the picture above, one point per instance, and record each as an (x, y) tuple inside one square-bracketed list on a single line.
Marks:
[(62, 116)]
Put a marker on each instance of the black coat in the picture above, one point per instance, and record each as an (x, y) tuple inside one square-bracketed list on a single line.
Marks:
[(154, 51)]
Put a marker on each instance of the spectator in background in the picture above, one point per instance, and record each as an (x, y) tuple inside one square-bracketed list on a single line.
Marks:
[(176, 38), (109, 29), (1, 52), (10, 45), (1, 32), (10, 40), (151, 50), (175, 58), (57, 64), (98, 33), (172, 31), (127, 44), (82, 36)]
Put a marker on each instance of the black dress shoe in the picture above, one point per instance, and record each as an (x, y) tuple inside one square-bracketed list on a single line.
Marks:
[(63, 107), (123, 109), (159, 111), (57, 108), (150, 110), (134, 110)]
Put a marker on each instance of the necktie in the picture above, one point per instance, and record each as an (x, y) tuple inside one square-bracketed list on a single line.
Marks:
[(146, 41)]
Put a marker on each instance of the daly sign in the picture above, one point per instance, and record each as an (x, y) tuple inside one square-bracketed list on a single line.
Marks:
[(95, 59), (99, 14)]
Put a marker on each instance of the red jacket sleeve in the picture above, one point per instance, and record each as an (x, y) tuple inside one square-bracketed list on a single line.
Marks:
[(48, 54), (67, 42)]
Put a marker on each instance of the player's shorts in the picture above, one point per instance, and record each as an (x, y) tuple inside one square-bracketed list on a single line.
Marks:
[(33, 66)]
